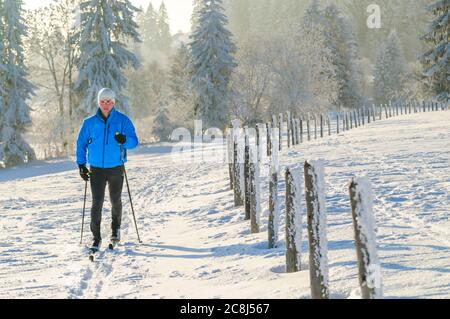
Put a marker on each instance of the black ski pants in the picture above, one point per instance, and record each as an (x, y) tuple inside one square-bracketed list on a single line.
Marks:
[(99, 178)]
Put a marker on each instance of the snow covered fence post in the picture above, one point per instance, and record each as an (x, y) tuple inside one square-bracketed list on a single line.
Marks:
[(301, 130), (255, 193), (268, 143), (247, 175), (274, 208), (230, 145), (315, 126), (316, 216), (337, 123), (329, 124), (365, 239), (347, 122), (308, 127), (344, 122), (321, 125), (280, 127), (293, 220), (259, 140), (238, 169), (294, 131), (289, 128)]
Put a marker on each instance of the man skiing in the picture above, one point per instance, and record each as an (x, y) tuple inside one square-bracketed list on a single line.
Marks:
[(102, 138)]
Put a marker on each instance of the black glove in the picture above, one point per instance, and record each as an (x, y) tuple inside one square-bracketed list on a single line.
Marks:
[(84, 172), (120, 138)]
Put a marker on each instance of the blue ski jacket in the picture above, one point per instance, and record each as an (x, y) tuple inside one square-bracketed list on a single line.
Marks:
[(96, 138)]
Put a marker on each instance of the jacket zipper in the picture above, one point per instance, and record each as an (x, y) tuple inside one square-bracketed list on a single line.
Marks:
[(104, 139)]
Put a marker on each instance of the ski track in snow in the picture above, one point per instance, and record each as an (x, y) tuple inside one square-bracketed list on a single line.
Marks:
[(197, 245)]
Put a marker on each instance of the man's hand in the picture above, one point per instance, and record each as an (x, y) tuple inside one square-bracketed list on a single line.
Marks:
[(84, 172), (120, 138)]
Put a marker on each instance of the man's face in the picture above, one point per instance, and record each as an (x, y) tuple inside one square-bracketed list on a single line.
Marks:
[(106, 105)]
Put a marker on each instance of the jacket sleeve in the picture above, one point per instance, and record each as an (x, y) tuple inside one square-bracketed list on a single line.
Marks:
[(82, 143), (130, 132)]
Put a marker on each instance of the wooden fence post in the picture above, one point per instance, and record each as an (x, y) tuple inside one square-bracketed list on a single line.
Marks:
[(315, 204), (366, 251), (321, 125), (308, 128), (329, 124), (274, 210), (258, 143), (238, 177), (289, 127), (280, 127), (301, 130), (293, 132), (351, 120), (255, 194), (293, 220), (344, 121), (230, 157), (315, 126), (337, 123), (247, 176)]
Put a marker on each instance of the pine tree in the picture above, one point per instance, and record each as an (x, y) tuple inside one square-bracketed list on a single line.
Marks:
[(165, 39), (15, 88), (391, 71), (197, 5), (436, 61), (161, 124), (105, 27), (212, 64), (341, 40), (179, 83)]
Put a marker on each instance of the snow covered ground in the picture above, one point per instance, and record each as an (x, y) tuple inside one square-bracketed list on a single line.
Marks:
[(197, 245)]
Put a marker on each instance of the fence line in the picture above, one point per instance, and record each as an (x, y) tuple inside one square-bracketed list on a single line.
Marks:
[(244, 173)]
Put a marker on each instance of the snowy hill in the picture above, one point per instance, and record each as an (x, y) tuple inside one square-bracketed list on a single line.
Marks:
[(197, 245)]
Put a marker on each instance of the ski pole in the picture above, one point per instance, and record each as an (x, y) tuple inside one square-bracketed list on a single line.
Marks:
[(84, 209), (129, 192)]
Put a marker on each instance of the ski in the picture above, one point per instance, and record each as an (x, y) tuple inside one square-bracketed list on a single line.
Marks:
[(113, 244), (92, 252)]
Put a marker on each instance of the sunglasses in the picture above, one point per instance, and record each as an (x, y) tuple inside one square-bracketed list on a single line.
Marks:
[(106, 101)]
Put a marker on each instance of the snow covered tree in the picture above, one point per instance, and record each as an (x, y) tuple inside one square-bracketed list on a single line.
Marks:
[(15, 88), (341, 40), (212, 64), (165, 39), (319, 88), (197, 5), (391, 71), (51, 56), (180, 90), (105, 27), (437, 59), (161, 124)]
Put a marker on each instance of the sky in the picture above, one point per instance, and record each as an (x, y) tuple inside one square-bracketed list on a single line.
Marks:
[(179, 11)]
